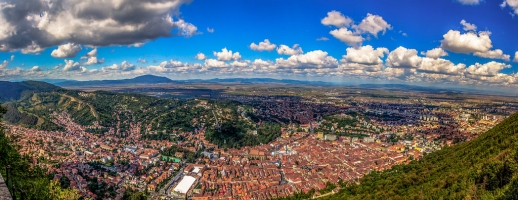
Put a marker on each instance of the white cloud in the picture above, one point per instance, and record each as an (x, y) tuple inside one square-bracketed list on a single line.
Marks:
[(359, 69), (92, 53), (215, 63), (36, 69), (68, 50), (12, 57), (263, 46), (347, 36), (372, 24), (336, 18), (440, 66), (93, 22), (322, 39), (494, 54), (489, 69), (260, 62), (466, 43), (513, 4), (171, 64), (4, 64), (469, 2), (92, 58), (28, 49), (70, 65), (185, 29), (137, 45), (403, 58), (142, 60), (467, 26), (210, 30), (312, 59), (436, 53), (286, 50), (200, 56), (240, 63), (515, 57), (93, 61), (366, 55), (226, 55), (124, 66)]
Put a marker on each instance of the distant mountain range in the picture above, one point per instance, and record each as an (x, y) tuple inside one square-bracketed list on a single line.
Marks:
[(146, 79), (151, 79)]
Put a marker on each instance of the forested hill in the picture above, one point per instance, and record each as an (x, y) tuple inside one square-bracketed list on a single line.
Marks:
[(15, 90), (36, 105), (485, 168)]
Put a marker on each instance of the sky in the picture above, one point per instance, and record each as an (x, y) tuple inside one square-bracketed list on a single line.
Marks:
[(469, 43)]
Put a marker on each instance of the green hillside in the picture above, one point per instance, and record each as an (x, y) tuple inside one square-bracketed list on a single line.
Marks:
[(485, 168), (35, 107)]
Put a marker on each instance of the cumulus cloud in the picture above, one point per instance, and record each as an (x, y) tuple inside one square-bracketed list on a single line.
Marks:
[(469, 2), (70, 65), (142, 60), (215, 63), (347, 36), (200, 56), (4, 64), (359, 69), (366, 55), (92, 53), (93, 22), (92, 58), (494, 54), (240, 63), (435, 53), (210, 30), (513, 4), (263, 46), (336, 18), (124, 66), (226, 55), (312, 59), (372, 24), (28, 49), (36, 69), (185, 29), (94, 61), (489, 69), (137, 45), (286, 50), (467, 26), (171, 64), (515, 57), (402, 57), (68, 50), (466, 43), (12, 57), (322, 39), (440, 66)]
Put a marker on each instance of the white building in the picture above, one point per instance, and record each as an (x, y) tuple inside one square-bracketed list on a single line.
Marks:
[(185, 184)]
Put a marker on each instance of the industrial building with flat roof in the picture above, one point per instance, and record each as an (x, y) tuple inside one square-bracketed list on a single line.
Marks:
[(185, 184)]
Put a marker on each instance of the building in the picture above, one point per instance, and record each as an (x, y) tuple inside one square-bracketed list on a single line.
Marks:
[(330, 137), (185, 185)]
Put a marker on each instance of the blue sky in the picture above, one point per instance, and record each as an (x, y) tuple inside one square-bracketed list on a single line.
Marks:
[(368, 40)]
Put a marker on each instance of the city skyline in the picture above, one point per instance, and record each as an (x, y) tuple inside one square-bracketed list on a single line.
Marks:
[(464, 42)]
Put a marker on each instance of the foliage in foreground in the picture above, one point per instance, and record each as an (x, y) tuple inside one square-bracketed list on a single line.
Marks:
[(30, 182)]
